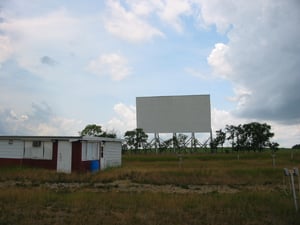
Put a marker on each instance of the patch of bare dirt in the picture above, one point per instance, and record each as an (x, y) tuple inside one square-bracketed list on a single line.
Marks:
[(129, 186)]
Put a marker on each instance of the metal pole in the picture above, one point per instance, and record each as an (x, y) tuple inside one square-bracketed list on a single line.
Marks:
[(296, 172), (174, 140), (155, 142), (193, 142), (158, 140), (293, 189), (274, 163)]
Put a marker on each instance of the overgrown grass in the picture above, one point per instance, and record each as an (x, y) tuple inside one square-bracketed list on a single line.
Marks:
[(252, 168), (29, 206), (30, 202)]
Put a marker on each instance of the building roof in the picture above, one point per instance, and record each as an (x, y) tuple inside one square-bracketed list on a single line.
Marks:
[(59, 138)]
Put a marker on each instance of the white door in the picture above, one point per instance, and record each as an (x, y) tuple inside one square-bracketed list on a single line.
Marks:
[(64, 157)]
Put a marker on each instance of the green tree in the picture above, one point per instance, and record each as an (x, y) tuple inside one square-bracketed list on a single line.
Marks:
[(168, 143), (136, 138), (297, 146), (234, 136), (91, 130), (96, 131), (219, 140), (252, 136), (237, 137), (220, 137), (274, 146), (181, 140), (108, 135), (214, 144), (257, 135)]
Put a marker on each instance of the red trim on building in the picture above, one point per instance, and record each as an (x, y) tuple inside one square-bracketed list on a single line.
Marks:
[(77, 164), (11, 162)]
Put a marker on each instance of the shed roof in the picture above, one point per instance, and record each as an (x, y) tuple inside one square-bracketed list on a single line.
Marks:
[(59, 138)]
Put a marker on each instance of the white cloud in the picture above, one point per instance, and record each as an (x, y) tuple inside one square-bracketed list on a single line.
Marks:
[(143, 7), (56, 25), (127, 25), (218, 60), (33, 37), (111, 64), (168, 11), (39, 121), (221, 118), (241, 96), (124, 120), (172, 11), (132, 21), (217, 12), (6, 48)]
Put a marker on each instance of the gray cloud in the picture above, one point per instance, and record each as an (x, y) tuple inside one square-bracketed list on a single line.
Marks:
[(26, 124), (48, 61), (263, 53), (11, 124), (40, 120)]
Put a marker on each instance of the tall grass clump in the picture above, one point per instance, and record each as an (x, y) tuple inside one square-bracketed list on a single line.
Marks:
[(47, 207)]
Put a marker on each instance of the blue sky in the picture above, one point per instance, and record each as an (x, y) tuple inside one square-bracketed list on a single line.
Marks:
[(65, 64)]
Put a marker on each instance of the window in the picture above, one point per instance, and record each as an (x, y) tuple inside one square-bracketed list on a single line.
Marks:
[(36, 144), (38, 150), (10, 141), (90, 151)]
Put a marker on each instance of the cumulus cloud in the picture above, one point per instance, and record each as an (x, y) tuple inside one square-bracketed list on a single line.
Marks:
[(132, 19), (218, 61), (30, 35), (124, 120), (39, 121), (218, 13), (172, 10), (127, 25), (262, 55), (114, 65)]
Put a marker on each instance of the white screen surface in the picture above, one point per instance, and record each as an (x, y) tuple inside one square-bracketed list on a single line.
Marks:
[(171, 114)]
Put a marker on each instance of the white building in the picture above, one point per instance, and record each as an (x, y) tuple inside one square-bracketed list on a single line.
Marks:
[(62, 153)]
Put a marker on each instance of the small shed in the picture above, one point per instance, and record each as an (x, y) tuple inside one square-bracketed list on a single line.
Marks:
[(61, 153)]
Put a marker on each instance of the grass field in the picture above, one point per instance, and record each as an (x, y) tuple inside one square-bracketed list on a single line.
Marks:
[(156, 189)]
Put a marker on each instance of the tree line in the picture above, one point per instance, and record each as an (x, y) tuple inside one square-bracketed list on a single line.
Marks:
[(252, 136)]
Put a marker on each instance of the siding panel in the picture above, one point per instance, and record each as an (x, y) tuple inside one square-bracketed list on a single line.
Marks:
[(11, 149), (112, 154), (44, 151), (48, 150)]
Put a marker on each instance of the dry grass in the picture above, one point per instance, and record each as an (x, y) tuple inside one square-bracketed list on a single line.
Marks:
[(36, 206), (27, 196)]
